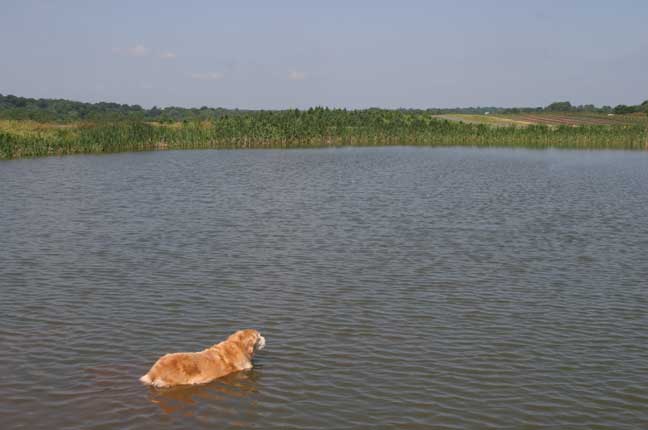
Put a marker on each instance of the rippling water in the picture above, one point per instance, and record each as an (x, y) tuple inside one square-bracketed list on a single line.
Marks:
[(397, 288)]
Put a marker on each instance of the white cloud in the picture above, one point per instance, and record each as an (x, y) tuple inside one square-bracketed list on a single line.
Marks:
[(207, 76), (135, 51), (294, 75), (168, 55)]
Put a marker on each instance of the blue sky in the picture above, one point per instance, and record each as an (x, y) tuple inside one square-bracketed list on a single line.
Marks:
[(354, 54)]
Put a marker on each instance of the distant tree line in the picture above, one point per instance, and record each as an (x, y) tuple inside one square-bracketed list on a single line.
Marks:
[(60, 110), (619, 109)]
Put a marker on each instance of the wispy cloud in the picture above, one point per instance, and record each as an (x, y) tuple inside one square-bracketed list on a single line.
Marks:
[(168, 55), (134, 51), (138, 51), (213, 76), (294, 75)]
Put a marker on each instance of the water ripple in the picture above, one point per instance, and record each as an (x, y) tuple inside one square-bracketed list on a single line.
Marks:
[(407, 288)]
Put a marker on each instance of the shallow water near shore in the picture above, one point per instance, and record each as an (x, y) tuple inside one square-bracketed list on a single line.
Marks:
[(400, 287)]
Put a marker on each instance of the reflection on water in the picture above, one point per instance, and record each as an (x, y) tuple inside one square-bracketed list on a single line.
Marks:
[(417, 288), (183, 399)]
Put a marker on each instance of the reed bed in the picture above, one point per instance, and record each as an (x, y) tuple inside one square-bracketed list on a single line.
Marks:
[(302, 129)]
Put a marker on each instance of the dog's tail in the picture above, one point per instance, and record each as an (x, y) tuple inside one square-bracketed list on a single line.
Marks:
[(146, 379)]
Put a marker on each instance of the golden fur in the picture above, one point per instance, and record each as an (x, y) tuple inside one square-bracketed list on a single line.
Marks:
[(231, 355)]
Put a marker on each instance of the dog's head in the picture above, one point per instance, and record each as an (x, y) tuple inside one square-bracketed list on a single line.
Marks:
[(250, 340)]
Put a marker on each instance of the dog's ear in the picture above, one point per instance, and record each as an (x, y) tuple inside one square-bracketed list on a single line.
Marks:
[(251, 341), (246, 339), (249, 348)]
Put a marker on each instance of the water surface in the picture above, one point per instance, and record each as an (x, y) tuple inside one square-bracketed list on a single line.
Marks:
[(413, 288)]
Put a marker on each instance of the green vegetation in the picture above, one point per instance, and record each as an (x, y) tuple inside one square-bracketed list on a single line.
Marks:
[(619, 109), (130, 129), (312, 128), (560, 107), (623, 109), (59, 110)]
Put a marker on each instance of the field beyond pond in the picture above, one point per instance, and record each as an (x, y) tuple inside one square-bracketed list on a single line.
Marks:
[(324, 127), (550, 119)]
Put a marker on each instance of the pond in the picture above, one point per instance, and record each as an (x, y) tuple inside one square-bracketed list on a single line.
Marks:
[(398, 287)]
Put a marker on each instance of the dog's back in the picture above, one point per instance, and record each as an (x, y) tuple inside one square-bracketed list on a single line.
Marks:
[(183, 368), (229, 356)]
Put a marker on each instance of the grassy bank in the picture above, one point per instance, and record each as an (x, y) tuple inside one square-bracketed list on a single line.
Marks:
[(312, 128)]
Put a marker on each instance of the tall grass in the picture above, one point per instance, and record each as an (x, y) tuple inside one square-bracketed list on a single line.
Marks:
[(312, 128)]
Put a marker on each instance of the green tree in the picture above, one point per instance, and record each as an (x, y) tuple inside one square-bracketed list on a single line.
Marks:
[(559, 107)]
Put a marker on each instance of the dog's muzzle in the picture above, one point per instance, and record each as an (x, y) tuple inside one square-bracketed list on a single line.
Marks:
[(260, 343)]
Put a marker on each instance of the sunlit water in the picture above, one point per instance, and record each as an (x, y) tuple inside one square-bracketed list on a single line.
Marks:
[(405, 288)]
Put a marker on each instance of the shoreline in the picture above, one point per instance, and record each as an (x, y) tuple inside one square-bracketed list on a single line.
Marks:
[(136, 150), (24, 139)]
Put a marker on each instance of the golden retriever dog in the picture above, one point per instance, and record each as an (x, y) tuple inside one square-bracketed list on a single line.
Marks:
[(184, 368)]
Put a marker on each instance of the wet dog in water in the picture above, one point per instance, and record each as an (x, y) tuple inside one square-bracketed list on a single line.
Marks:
[(182, 368)]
